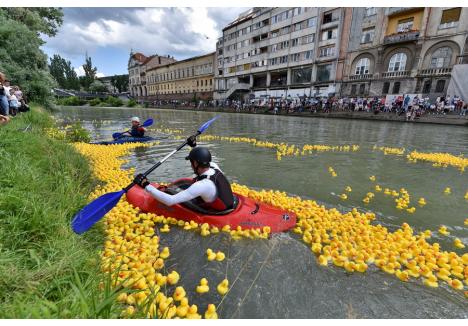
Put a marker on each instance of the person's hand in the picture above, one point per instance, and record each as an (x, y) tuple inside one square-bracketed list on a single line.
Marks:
[(192, 141), (141, 180), (162, 188)]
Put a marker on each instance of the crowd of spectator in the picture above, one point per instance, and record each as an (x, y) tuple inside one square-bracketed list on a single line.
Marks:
[(12, 100)]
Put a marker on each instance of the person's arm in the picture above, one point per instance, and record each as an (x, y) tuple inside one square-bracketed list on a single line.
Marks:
[(194, 191)]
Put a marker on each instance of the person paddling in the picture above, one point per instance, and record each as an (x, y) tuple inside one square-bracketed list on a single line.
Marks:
[(210, 185), (137, 130)]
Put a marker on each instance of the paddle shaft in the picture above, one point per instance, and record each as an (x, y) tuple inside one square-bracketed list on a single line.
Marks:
[(154, 167)]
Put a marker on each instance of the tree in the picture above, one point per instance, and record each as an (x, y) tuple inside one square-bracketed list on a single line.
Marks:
[(90, 73), (63, 73), (120, 82), (97, 87), (22, 60)]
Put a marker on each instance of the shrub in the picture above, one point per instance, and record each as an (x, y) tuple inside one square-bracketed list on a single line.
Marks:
[(94, 101), (131, 103), (70, 101)]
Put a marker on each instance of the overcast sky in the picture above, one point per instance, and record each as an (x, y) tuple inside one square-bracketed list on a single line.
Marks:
[(108, 34)]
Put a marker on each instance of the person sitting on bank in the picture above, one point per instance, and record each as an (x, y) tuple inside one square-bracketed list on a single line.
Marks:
[(137, 130), (210, 185)]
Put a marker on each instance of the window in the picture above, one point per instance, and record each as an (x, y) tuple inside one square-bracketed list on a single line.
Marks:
[(273, 61), (362, 66), (362, 89), (353, 89), (297, 11), (297, 27), (274, 33), (397, 62), (405, 25), (385, 88), (295, 57), (427, 87), (308, 55), (367, 35), (308, 39), (331, 16), (283, 59), (311, 22), (440, 86), (450, 18), (396, 87), (324, 72), (441, 57), (301, 75), (327, 51), (294, 42), (370, 11), (329, 34)]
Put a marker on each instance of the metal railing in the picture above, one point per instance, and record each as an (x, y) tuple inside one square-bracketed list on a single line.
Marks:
[(360, 77), (401, 37)]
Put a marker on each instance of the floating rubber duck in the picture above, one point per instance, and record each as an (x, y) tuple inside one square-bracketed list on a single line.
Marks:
[(173, 277), (203, 287), (464, 258), (458, 243), (210, 254), (411, 210), (421, 201), (210, 312), (402, 275), (205, 232), (179, 293), (431, 281), (333, 174), (165, 253), (323, 260), (466, 195), (378, 188), (158, 264), (183, 308), (447, 191), (165, 228), (343, 196), (192, 313), (366, 200), (226, 228), (361, 267), (214, 230), (348, 189), (316, 248), (220, 256), (465, 221), (223, 287), (372, 178), (443, 230)]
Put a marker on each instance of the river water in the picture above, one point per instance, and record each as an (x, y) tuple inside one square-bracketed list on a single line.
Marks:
[(279, 278)]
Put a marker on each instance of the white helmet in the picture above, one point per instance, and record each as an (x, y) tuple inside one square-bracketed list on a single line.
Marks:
[(136, 119)]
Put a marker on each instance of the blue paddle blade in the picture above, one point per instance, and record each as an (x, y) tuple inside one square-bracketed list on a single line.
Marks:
[(116, 135), (207, 124), (94, 211), (147, 123)]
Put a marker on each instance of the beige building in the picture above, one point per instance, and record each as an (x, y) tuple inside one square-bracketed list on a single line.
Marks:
[(138, 64), (404, 50), (182, 80)]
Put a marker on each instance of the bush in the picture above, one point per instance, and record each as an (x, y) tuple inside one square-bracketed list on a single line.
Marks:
[(94, 101), (70, 101), (114, 101), (78, 134), (131, 103)]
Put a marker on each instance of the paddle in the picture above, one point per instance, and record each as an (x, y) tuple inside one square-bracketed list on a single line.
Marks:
[(95, 210), (145, 124)]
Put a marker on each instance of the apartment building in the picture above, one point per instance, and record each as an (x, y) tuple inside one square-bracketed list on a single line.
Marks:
[(404, 50), (182, 80), (137, 65), (281, 52)]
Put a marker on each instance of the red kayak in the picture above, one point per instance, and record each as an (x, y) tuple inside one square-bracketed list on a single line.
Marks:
[(247, 213)]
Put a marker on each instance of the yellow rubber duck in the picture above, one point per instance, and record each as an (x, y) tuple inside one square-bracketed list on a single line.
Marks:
[(458, 243), (205, 232), (447, 191), (411, 210), (464, 258), (421, 202), (323, 260), (344, 196), (214, 230), (223, 287), (183, 308), (348, 189), (210, 312), (466, 221), (192, 313), (372, 178), (173, 277), (334, 174), (443, 230), (402, 275), (226, 228), (378, 188), (179, 293), (316, 248), (220, 256), (158, 264), (203, 287), (210, 254), (165, 228), (165, 253), (431, 281), (361, 267), (366, 200)]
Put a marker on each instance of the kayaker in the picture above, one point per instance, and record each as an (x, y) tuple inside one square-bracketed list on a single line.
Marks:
[(137, 130), (210, 185)]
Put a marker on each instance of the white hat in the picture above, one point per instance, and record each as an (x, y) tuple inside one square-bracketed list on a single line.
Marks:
[(135, 119)]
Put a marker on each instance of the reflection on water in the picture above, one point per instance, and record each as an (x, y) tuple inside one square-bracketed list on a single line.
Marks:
[(279, 277)]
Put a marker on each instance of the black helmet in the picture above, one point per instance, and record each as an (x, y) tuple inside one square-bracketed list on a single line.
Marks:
[(201, 155)]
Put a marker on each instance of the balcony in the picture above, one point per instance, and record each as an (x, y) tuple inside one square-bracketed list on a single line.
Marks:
[(435, 72), (400, 10), (409, 36), (396, 74), (360, 77)]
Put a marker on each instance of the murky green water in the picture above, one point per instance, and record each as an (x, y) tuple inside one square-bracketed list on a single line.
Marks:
[(280, 278)]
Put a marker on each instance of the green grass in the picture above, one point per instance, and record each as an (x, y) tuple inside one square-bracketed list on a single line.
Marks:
[(47, 271)]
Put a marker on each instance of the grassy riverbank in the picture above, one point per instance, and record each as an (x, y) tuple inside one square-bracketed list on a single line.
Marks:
[(45, 269)]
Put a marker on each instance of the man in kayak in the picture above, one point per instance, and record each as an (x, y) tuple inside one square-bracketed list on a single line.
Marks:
[(137, 130), (210, 185)]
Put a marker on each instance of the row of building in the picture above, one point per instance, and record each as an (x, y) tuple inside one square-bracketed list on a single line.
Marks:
[(308, 51)]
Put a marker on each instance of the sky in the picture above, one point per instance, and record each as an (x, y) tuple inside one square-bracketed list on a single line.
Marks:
[(108, 35)]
